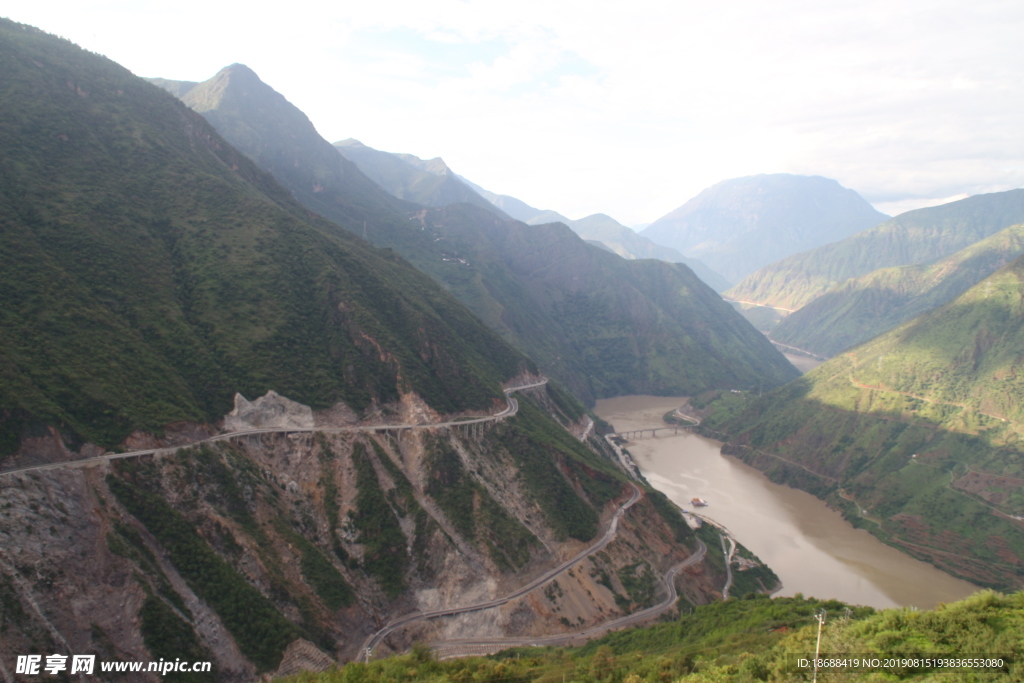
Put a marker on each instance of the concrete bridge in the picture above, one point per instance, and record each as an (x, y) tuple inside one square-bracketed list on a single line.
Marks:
[(650, 432)]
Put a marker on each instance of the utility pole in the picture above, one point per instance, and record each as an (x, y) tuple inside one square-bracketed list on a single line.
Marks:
[(820, 616)]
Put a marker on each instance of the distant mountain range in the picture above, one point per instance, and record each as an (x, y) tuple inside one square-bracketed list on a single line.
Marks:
[(433, 183), (602, 228), (860, 308), (430, 182), (602, 325), (738, 226), (915, 237)]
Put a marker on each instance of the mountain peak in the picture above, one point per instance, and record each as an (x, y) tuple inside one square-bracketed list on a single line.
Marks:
[(348, 142), (739, 225), (239, 69)]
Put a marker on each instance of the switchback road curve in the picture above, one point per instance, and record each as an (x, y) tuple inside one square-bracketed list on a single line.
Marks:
[(468, 647), (373, 641)]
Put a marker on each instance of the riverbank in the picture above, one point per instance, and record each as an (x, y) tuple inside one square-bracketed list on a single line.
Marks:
[(811, 547)]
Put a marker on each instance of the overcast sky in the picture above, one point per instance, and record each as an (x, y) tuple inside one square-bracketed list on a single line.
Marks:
[(625, 108)]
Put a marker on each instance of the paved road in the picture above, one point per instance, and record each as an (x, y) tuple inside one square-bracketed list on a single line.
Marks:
[(728, 564), (509, 411), (468, 647), (373, 641)]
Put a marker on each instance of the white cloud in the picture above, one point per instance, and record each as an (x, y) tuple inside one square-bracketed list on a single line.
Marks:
[(628, 109)]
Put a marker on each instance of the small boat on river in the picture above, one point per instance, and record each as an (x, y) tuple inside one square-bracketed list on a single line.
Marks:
[(698, 503)]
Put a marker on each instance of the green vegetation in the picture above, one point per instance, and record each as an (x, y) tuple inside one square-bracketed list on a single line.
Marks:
[(861, 308), (127, 542), (328, 583), (386, 557), (744, 641), (566, 404), (167, 636), (225, 491), (150, 271), (741, 637), (473, 511), (753, 581), (331, 501), (261, 632), (669, 512), (547, 457), (641, 586), (913, 237), (430, 183), (402, 496), (12, 612), (918, 428)]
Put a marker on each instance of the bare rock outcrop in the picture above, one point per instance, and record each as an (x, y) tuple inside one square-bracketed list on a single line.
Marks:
[(268, 411)]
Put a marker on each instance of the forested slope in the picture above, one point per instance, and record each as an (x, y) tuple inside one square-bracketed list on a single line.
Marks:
[(916, 433), (152, 271), (864, 307), (650, 328), (915, 237)]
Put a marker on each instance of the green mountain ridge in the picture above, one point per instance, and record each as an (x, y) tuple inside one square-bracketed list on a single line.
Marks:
[(152, 271), (740, 225), (915, 434), (635, 326), (915, 237), (599, 227), (640, 329), (428, 182), (861, 308)]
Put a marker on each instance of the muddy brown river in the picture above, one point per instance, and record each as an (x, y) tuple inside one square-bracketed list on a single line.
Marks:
[(812, 549)]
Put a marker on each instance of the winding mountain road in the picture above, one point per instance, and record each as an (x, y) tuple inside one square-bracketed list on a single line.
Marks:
[(468, 647), (728, 563), (509, 411), (373, 641)]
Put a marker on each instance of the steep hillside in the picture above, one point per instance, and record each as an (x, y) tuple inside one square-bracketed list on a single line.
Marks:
[(741, 225), (427, 182), (645, 334), (176, 88), (861, 308), (916, 433), (515, 208), (915, 237), (270, 552), (599, 227), (314, 173), (152, 271), (627, 326)]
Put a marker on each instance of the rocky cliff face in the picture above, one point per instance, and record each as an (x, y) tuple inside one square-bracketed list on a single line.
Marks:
[(277, 551)]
